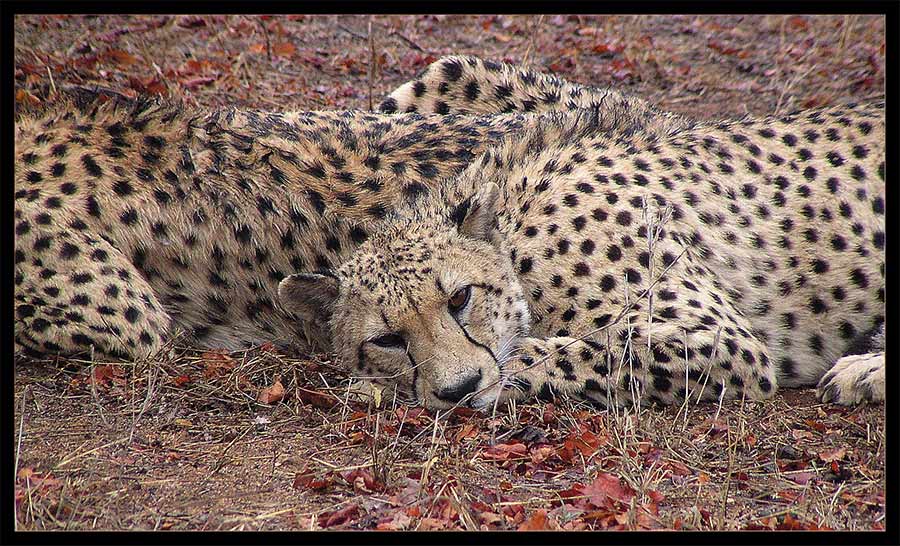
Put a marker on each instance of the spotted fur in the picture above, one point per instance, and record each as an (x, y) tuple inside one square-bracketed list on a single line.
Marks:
[(134, 221), (767, 264)]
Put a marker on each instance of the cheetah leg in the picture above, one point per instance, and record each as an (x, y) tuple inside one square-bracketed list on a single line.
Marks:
[(74, 293), (588, 370), (854, 379)]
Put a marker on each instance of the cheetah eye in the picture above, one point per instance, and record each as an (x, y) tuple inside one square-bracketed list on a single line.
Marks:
[(459, 299), (389, 340)]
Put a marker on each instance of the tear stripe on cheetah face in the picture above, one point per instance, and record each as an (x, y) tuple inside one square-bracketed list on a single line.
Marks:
[(729, 319), (469, 85), (134, 220)]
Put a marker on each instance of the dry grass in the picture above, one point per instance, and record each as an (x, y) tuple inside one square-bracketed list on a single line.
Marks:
[(182, 441)]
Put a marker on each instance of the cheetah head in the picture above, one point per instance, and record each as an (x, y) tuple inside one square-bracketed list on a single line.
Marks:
[(429, 306)]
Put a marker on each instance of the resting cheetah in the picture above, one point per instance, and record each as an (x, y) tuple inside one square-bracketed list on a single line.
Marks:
[(716, 260), (134, 220), (164, 269)]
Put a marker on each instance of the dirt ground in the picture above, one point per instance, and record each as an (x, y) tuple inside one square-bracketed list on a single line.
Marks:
[(254, 440)]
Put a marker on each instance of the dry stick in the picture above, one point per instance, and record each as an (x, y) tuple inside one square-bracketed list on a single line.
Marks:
[(409, 42), (19, 447), (371, 62), (352, 32), (534, 27), (268, 43)]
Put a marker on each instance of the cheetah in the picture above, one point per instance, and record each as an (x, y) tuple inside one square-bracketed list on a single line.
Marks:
[(714, 261), (198, 217), (137, 219)]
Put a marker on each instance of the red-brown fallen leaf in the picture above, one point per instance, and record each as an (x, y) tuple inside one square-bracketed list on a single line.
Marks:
[(606, 486), (549, 414), (284, 49), (607, 48), (798, 434), (801, 478), (503, 452), (272, 393), (339, 517), (303, 478), (537, 522), (316, 398), (797, 23), (24, 96), (541, 454), (182, 379), (832, 455), (469, 430), (216, 363), (396, 522), (584, 442), (363, 481), (815, 425), (792, 524), (724, 49), (191, 21), (107, 374), (121, 58), (151, 86), (195, 83)]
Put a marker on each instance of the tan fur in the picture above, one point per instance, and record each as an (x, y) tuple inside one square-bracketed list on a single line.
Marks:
[(768, 269)]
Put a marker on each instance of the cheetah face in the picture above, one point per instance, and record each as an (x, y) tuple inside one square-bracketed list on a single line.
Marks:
[(429, 306)]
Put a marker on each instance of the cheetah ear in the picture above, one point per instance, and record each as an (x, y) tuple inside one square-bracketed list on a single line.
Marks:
[(310, 296), (476, 217)]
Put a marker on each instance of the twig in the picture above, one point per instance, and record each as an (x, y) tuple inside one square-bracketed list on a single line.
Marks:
[(409, 42), (534, 28), (352, 32), (371, 62), (52, 84), (268, 42)]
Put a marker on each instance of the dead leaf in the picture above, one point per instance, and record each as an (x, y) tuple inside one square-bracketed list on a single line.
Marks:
[(316, 398), (216, 363), (828, 456), (107, 374), (801, 478), (339, 517), (24, 96), (195, 83), (503, 452), (537, 522), (121, 58), (273, 393), (606, 486), (284, 49)]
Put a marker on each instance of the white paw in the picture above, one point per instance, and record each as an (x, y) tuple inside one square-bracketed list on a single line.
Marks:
[(854, 379)]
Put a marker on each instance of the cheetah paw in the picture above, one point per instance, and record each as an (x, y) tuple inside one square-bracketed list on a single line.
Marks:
[(854, 379)]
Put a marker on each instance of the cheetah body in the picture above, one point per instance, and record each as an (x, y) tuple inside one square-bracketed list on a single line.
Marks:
[(711, 260), (606, 250)]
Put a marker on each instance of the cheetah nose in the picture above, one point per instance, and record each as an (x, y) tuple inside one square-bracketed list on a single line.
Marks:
[(457, 392)]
